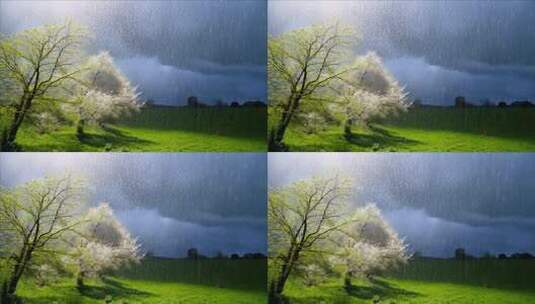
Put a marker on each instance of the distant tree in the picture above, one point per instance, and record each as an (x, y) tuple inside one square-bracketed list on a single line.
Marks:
[(220, 255), (460, 254), (234, 104), (34, 64), (193, 101), (485, 102), (234, 256), (193, 253), (220, 103), (34, 217), (254, 104), (522, 256), (100, 243), (460, 102), (300, 217), (502, 256)]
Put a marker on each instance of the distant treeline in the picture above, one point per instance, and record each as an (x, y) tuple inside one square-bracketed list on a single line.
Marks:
[(194, 102), (461, 254), (461, 102), (194, 254)]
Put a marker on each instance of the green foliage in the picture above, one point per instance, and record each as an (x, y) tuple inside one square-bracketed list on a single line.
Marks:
[(160, 129), (429, 129)]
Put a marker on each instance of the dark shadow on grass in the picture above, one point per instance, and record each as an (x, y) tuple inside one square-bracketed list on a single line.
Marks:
[(112, 288), (380, 139), (112, 139), (381, 289)]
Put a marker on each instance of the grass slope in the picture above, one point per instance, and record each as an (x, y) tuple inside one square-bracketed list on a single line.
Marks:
[(135, 291), (392, 291), (430, 129), (161, 129), (432, 282), (162, 281)]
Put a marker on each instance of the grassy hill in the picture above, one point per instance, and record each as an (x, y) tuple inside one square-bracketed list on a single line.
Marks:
[(430, 129), (162, 281), (160, 129), (432, 282)]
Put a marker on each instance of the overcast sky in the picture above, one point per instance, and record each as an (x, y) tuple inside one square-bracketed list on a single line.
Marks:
[(171, 202), (438, 50), (436, 201), (170, 49)]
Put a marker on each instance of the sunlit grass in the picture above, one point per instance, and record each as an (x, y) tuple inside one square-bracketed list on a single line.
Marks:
[(156, 280), (430, 129), (161, 129), (435, 281), (125, 291), (392, 291)]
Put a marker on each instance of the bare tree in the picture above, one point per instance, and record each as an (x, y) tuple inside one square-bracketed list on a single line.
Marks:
[(32, 63), (34, 216), (300, 217), (300, 64)]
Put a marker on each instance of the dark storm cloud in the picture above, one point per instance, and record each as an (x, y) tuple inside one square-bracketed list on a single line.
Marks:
[(470, 48), (438, 201), (209, 200), (210, 49)]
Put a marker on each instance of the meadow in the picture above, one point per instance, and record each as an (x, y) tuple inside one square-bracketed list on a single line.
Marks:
[(431, 281), (156, 280), (159, 129), (432, 129)]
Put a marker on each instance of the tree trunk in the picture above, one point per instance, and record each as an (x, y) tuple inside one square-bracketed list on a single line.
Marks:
[(348, 134), (80, 280), (4, 296), (80, 128), (18, 271), (8, 140), (286, 269), (347, 281), (277, 135)]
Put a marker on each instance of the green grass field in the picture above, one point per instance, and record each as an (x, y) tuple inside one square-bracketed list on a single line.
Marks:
[(430, 129), (432, 282), (162, 281), (160, 129)]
